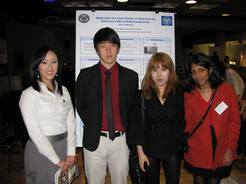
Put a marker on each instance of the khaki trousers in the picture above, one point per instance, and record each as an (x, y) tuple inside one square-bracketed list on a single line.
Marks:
[(112, 154)]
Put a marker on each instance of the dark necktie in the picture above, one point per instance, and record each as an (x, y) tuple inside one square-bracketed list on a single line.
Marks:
[(109, 108)]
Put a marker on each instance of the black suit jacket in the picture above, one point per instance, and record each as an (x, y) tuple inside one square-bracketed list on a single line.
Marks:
[(89, 102)]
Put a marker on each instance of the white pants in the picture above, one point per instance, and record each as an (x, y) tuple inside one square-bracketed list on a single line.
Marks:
[(111, 154)]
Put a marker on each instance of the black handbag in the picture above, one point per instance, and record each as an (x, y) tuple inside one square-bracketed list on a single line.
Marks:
[(183, 146), (137, 176)]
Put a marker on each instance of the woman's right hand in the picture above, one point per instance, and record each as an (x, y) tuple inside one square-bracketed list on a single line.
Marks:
[(227, 159), (63, 165), (142, 158)]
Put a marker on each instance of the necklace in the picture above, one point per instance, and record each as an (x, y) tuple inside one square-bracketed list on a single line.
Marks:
[(51, 88), (205, 90)]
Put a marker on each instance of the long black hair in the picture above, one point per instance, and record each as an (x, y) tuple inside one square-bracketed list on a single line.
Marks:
[(203, 60), (37, 57)]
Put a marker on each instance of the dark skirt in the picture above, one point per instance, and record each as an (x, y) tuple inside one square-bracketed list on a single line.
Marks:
[(221, 172), (38, 168)]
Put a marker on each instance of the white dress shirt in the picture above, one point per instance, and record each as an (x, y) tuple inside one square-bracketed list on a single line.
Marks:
[(45, 114)]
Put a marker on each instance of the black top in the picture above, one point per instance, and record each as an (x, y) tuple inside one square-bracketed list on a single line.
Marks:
[(164, 125)]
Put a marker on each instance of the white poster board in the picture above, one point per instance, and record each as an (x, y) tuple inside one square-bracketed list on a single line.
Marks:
[(141, 35)]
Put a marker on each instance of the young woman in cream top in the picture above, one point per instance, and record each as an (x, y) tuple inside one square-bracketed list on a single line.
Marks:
[(48, 114)]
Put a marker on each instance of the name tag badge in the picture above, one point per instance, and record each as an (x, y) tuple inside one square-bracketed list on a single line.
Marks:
[(221, 108)]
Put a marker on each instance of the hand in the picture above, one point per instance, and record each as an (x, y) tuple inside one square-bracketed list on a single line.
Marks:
[(142, 158), (62, 164), (227, 159), (70, 160)]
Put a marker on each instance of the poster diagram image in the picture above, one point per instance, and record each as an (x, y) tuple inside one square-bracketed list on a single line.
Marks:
[(150, 49)]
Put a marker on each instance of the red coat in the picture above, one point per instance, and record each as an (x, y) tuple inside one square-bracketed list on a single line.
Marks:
[(226, 126)]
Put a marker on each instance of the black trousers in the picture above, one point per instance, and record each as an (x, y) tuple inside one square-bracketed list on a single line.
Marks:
[(171, 168)]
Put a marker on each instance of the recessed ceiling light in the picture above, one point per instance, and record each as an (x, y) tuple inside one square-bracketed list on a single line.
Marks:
[(190, 1), (122, 1)]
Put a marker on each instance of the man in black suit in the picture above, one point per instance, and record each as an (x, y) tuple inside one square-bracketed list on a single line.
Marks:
[(105, 95)]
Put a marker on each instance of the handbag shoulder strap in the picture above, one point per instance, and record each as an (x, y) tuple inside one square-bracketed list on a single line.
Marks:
[(142, 109), (204, 116)]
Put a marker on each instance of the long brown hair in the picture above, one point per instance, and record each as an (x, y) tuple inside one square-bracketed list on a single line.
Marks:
[(163, 59)]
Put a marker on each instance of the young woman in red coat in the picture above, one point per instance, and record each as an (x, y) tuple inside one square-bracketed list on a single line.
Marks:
[(212, 148)]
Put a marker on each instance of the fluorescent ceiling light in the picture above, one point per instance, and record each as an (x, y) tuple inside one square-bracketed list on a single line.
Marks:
[(122, 1), (225, 14), (100, 4), (70, 4), (49, 1), (203, 6), (166, 5), (190, 1)]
